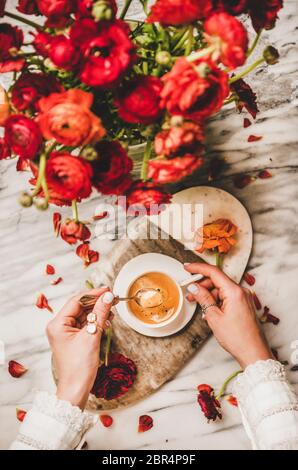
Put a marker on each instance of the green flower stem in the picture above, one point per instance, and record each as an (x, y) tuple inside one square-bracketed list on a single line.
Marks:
[(254, 44), (218, 259), (226, 382), (181, 41), (125, 9), (247, 70), (109, 333), (22, 20), (41, 173), (146, 158), (190, 40), (201, 53), (229, 100), (75, 213)]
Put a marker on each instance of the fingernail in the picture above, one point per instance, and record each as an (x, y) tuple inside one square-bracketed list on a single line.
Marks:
[(193, 288), (108, 297)]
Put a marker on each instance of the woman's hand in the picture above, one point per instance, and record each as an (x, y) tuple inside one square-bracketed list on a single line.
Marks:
[(76, 352), (233, 321)]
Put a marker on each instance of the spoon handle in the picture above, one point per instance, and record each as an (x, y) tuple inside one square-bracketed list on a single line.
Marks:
[(196, 277)]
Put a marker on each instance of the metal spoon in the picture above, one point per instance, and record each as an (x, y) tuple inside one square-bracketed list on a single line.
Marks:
[(144, 298)]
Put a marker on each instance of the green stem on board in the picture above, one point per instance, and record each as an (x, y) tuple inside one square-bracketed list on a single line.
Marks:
[(146, 158), (181, 41), (254, 44), (190, 40), (22, 20), (201, 53), (41, 173), (226, 382), (125, 9), (75, 214), (247, 70)]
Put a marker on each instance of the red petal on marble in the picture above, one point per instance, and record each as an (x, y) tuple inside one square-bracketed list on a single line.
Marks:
[(232, 400), (57, 281), (100, 216), (246, 123), (106, 420), (249, 279), (256, 300), (42, 302), (242, 180), (265, 174), (267, 317), (87, 255), (145, 423), (57, 223), (16, 369), (20, 414), (254, 138), (50, 269)]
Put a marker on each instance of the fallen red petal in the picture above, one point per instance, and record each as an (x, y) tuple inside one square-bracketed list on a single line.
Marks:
[(100, 216), (254, 138), (87, 255), (256, 300), (16, 369), (209, 405), (265, 174), (42, 302), (267, 317), (106, 420), (246, 123), (145, 423), (57, 223), (249, 279), (50, 269), (242, 180), (20, 414), (57, 281), (232, 400)]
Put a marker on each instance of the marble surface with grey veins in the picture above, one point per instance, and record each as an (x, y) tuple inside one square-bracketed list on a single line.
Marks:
[(27, 244)]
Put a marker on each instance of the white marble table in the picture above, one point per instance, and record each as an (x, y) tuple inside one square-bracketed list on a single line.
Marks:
[(27, 244)]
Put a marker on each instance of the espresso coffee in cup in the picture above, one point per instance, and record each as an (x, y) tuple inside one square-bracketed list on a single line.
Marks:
[(168, 292)]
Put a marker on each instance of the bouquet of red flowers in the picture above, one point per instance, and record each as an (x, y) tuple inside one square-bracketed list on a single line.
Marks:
[(91, 83)]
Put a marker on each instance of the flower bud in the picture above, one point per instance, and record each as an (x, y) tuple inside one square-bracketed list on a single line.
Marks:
[(271, 55), (25, 200), (41, 204), (102, 10), (89, 153), (163, 58)]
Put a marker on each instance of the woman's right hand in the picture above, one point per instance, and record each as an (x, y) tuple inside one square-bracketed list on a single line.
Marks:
[(233, 320)]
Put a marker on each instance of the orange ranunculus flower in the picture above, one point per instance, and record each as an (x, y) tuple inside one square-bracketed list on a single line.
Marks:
[(66, 117), (4, 106), (216, 235)]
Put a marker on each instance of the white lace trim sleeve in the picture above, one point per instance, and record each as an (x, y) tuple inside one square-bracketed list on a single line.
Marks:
[(52, 424), (268, 405)]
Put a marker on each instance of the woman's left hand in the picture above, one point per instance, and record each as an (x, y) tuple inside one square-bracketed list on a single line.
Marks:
[(75, 351)]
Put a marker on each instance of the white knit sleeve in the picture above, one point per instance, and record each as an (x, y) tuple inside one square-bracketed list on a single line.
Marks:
[(52, 424), (268, 405)]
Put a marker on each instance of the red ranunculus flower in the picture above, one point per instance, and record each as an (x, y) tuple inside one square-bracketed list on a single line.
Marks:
[(264, 14), (115, 379), (111, 169), (229, 37), (245, 97), (177, 12), (179, 140), (28, 7), (233, 7), (72, 231), (55, 7), (146, 197), (11, 40), (63, 53), (107, 48), (210, 406), (31, 87), (84, 7), (22, 135), (4, 149), (194, 90), (162, 170), (138, 101), (42, 43), (69, 176)]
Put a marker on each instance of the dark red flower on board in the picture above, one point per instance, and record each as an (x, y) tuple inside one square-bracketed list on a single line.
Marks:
[(145, 423), (178, 12), (11, 40), (210, 406), (245, 97)]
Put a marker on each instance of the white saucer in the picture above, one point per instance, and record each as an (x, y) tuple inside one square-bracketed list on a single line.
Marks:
[(152, 262)]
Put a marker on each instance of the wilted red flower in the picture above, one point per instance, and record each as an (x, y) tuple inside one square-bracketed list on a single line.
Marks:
[(229, 37), (234, 7), (42, 302), (245, 97), (66, 117), (148, 197), (107, 49), (50, 269), (264, 174), (232, 400), (87, 255), (106, 420), (241, 181), (111, 168), (20, 414), (11, 40), (22, 135), (42, 43), (177, 12), (29, 7), (264, 14), (55, 7), (57, 223), (4, 149), (145, 423), (179, 140), (249, 279), (162, 170), (69, 176), (246, 123), (194, 90), (73, 231), (138, 101), (210, 406), (256, 301), (254, 138), (16, 369), (31, 87), (115, 379), (57, 281), (63, 53), (267, 317), (216, 235)]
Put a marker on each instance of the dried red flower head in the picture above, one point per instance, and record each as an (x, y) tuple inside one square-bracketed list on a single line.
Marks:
[(87, 255), (115, 379), (111, 169), (57, 223), (233, 7), (138, 101), (267, 317), (249, 279), (42, 302), (50, 269), (73, 231), (246, 123), (57, 281), (194, 90), (264, 14), (63, 53), (179, 140), (16, 369), (11, 40), (254, 138), (245, 97), (264, 174), (20, 414), (145, 423), (106, 420), (145, 197), (107, 49), (229, 37), (232, 400), (256, 301), (69, 176), (162, 170), (241, 181), (22, 135), (210, 406), (30, 88), (177, 12)]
